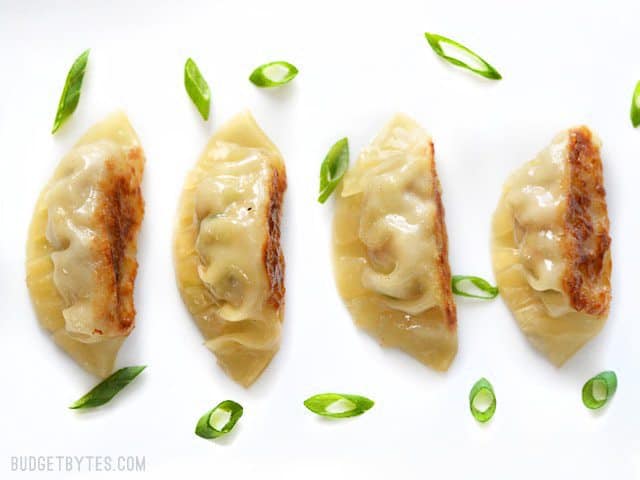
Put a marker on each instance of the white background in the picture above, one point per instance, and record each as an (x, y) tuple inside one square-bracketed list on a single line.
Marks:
[(563, 63)]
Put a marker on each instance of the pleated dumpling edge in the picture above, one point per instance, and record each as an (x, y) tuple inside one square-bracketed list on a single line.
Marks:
[(551, 245), (390, 246), (82, 243), (228, 259)]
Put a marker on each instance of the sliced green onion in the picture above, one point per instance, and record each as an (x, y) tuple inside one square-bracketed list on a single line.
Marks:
[(482, 401), (108, 388), (597, 391), (273, 74), (197, 88), (220, 420), (71, 91), (483, 68), (635, 106), (338, 405), (480, 283), (333, 168)]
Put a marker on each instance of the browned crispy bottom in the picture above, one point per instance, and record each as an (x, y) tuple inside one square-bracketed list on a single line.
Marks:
[(448, 305), (120, 212), (272, 251), (586, 241)]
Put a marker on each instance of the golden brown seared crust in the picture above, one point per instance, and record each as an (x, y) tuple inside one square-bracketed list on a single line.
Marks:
[(272, 251), (586, 240), (442, 242), (120, 212)]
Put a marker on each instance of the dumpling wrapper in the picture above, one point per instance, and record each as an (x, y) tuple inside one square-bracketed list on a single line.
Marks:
[(390, 246), (228, 259), (81, 248), (551, 252)]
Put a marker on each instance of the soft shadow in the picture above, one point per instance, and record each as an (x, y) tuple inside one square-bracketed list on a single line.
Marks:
[(282, 94), (229, 438), (336, 421), (467, 302), (473, 77), (602, 411), (485, 426)]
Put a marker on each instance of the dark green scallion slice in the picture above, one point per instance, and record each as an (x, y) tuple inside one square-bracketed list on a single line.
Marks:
[(333, 168), (599, 389), (108, 388), (71, 91), (220, 420)]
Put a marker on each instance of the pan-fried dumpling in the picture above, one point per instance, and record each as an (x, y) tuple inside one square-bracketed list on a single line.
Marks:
[(551, 243), (229, 264), (81, 249), (390, 246)]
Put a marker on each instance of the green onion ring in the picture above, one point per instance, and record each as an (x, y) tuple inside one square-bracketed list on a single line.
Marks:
[(607, 382), (205, 427), (482, 387), (321, 404), (436, 41), (273, 74)]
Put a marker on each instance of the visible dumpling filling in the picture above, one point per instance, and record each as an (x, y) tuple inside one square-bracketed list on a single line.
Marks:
[(81, 264), (551, 245), (390, 246), (229, 262), (231, 209)]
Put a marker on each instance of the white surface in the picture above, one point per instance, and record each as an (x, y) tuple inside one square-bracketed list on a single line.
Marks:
[(563, 63)]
